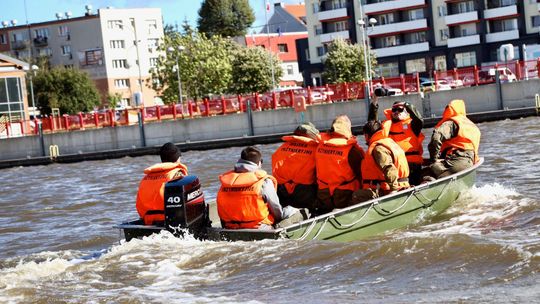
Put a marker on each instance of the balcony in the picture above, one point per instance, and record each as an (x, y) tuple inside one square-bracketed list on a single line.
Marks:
[(336, 14), (402, 49), (388, 6), (398, 27), (462, 18), (19, 44), (41, 41), (463, 41), (328, 37), (502, 36), (500, 12)]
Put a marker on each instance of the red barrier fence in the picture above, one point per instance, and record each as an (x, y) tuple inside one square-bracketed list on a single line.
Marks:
[(227, 104)]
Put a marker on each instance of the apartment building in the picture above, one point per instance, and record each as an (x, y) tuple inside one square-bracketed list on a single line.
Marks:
[(285, 26), (116, 47), (425, 35)]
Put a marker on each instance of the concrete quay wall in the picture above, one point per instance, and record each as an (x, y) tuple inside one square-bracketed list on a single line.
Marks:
[(478, 99)]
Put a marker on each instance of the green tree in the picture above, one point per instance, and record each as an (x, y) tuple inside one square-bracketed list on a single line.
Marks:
[(345, 63), (225, 17), (205, 66), (252, 70), (70, 90), (114, 100)]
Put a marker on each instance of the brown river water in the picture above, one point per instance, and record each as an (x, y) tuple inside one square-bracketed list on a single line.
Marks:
[(57, 244)]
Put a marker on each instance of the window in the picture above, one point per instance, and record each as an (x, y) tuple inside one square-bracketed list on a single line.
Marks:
[(152, 25), (465, 59), (124, 102), (20, 36), (283, 48), (415, 65), (153, 43), (119, 63), (290, 69), (117, 44), (41, 33), (91, 57), (342, 26), (11, 101), (44, 52), (68, 66), (390, 41), (444, 34), (114, 24), (63, 30), (440, 63), (318, 29), (121, 83), (315, 7), (442, 10), (385, 19), (390, 69), (535, 21), (3, 39), (509, 24), (337, 4), (66, 50), (416, 14), (465, 7), (153, 62), (322, 50), (307, 54)]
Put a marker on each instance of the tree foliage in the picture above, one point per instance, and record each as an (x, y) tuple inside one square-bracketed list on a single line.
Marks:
[(345, 63), (70, 90), (204, 66), (252, 70), (225, 17)]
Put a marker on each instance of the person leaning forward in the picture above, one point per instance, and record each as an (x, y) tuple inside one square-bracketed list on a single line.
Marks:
[(293, 166), (247, 198), (384, 168), (150, 200), (406, 130), (338, 163), (454, 143)]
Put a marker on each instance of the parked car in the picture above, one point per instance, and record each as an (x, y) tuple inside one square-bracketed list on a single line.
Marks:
[(386, 90), (284, 97), (454, 83), (326, 93), (431, 85)]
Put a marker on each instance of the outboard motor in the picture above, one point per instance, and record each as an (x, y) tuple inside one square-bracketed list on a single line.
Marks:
[(185, 206)]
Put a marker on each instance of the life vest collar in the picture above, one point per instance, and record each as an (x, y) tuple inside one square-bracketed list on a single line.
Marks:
[(241, 179), (293, 138), (167, 166)]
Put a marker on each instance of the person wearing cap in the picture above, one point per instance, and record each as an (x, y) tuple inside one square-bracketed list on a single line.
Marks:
[(338, 164), (384, 169), (247, 198), (150, 200), (293, 166), (454, 143), (406, 125)]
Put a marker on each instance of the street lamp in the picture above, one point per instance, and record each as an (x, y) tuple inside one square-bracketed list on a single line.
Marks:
[(171, 50), (365, 46), (33, 68)]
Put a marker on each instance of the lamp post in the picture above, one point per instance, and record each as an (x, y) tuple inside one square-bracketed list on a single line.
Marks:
[(367, 57), (34, 68), (171, 50)]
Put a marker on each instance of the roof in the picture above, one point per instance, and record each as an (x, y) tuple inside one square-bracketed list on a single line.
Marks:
[(297, 10), (283, 21), (12, 61)]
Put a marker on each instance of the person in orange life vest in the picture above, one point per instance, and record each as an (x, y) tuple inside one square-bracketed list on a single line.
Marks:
[(150, 201), (384, 169), (406, 131), (293, 166), (338, 164), (247, 197), (454, 143)]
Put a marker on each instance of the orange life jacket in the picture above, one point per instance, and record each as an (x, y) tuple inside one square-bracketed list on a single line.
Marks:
[(293, 162), (402, 133), (150, 201), (468, 137), (239, 200), (372, 175), (332, 164)]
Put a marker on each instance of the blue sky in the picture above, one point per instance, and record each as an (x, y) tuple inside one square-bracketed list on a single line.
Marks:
[(172, 10)]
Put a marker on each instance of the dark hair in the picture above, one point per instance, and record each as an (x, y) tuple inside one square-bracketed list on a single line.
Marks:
[(251, 154), (371, 127), (169, 153)]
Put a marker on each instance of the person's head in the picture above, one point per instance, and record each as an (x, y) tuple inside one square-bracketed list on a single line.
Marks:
[(399, 111), (252, 154), (370, 128), (169, 153), (342, 126), (307, 129)]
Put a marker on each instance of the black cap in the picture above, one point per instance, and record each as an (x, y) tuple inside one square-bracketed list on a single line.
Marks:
[(169, 153)]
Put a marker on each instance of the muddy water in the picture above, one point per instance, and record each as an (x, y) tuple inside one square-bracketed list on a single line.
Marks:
[(57, 244)]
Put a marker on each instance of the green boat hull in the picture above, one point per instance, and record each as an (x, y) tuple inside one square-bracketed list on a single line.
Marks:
[(377, 216)]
